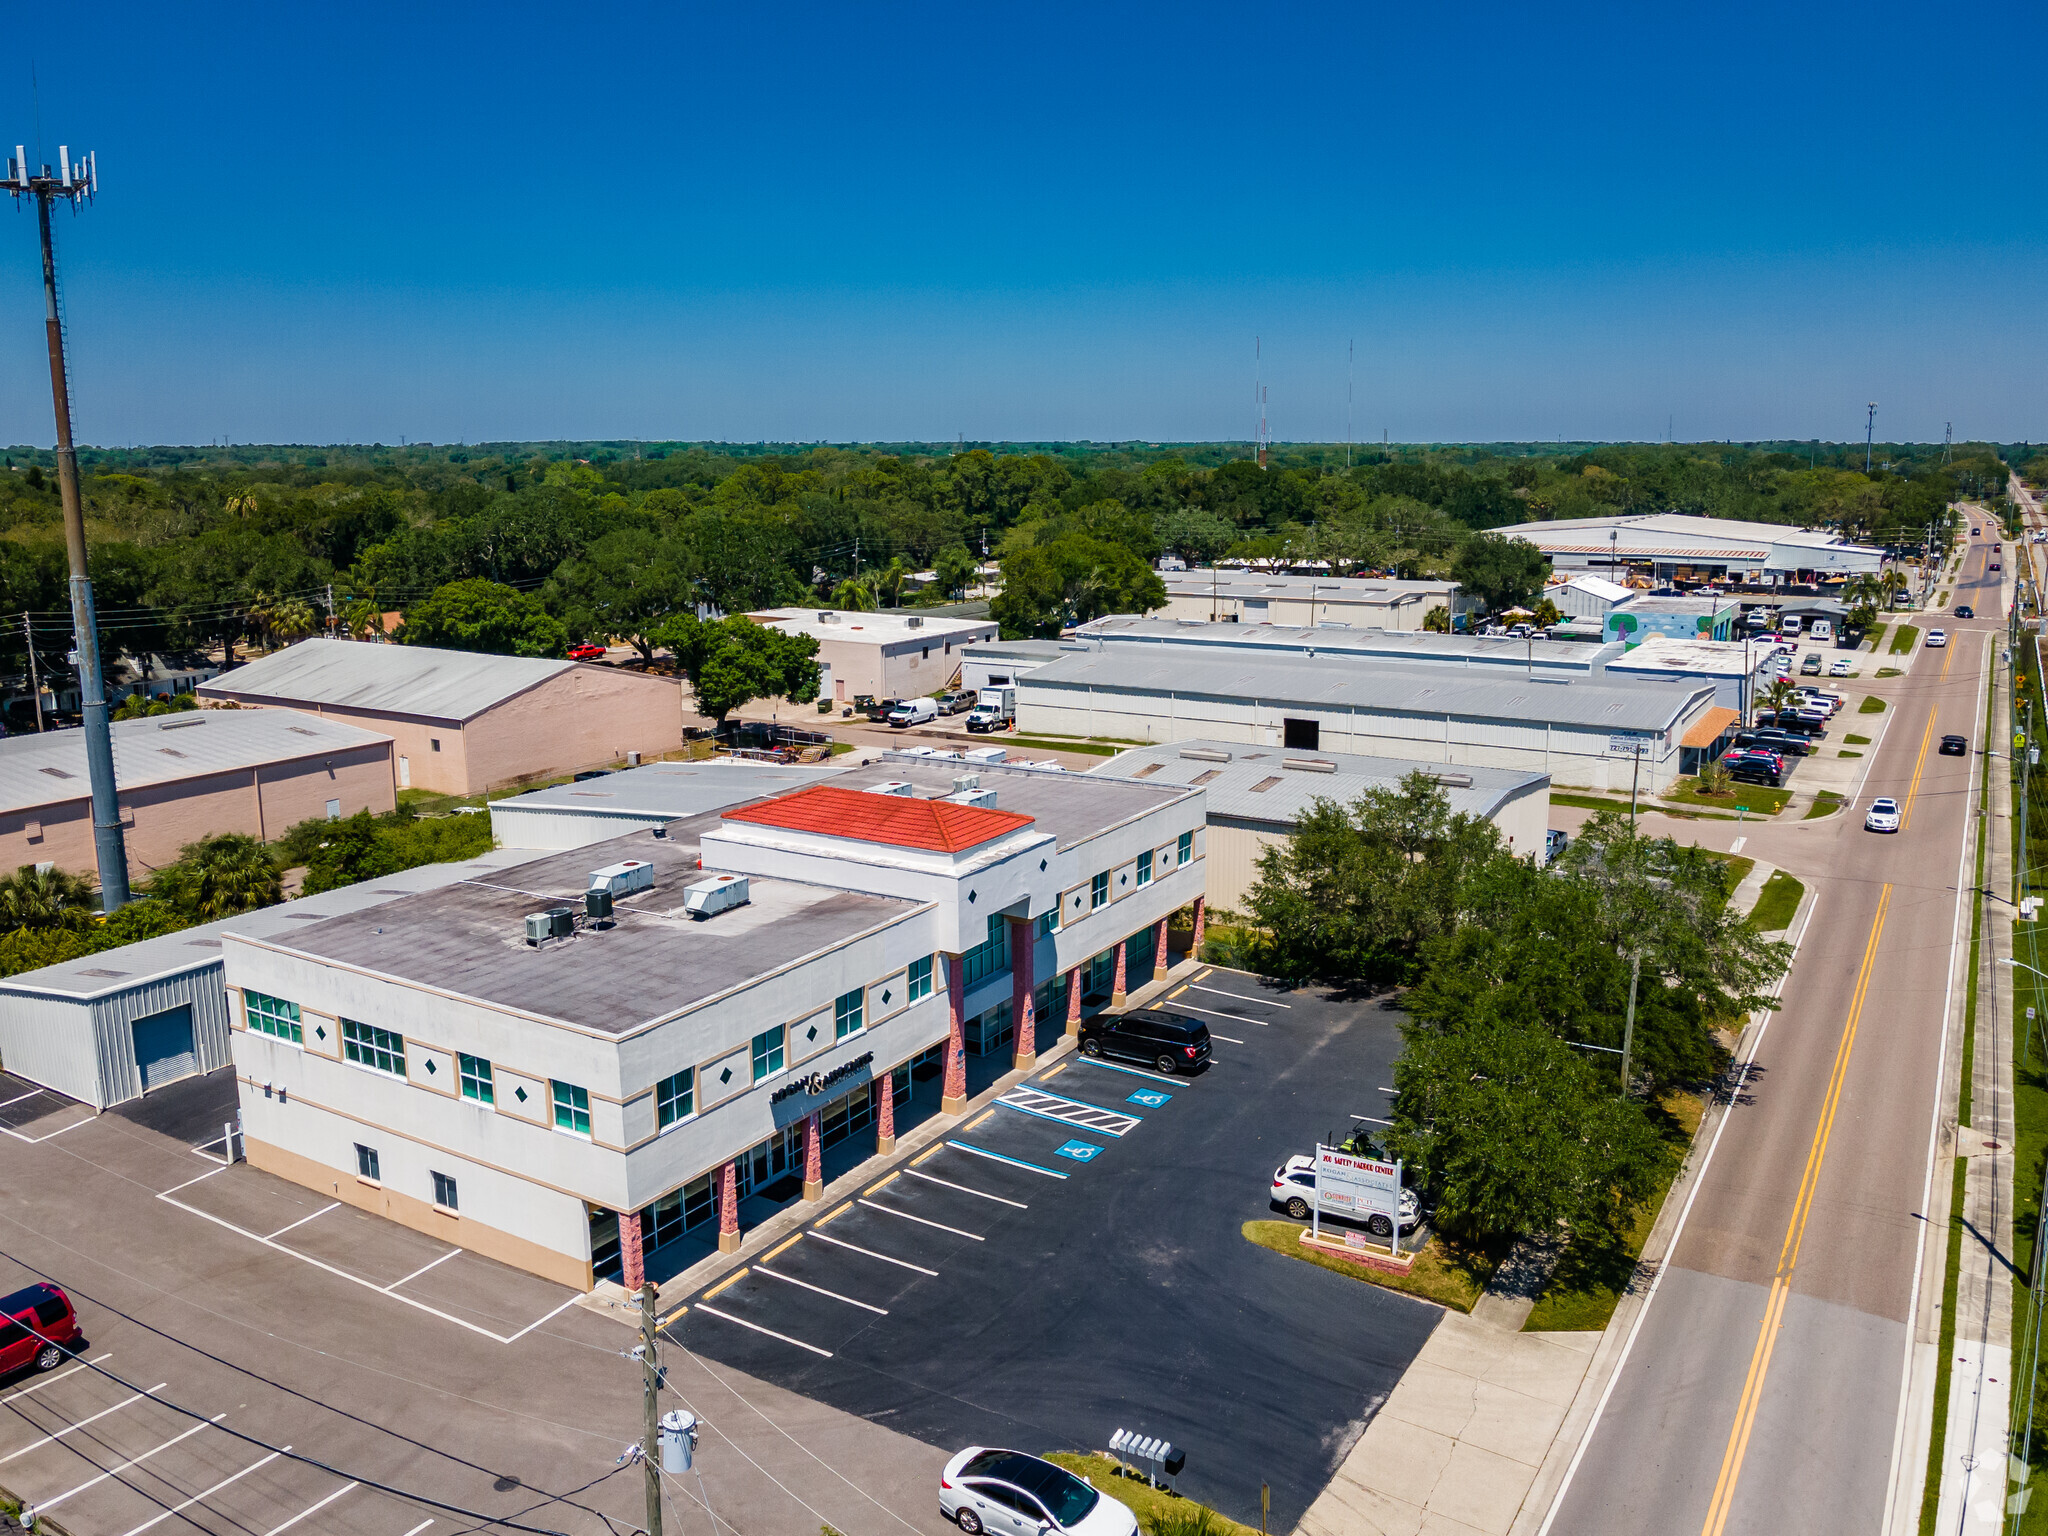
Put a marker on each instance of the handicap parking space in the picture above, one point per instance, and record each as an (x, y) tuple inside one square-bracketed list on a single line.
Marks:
[(1069, 1261)]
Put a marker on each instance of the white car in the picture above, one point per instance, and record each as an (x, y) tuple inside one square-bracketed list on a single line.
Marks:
[(1840, 668), (1008, 1493), (1937, 638), (1883, 815)]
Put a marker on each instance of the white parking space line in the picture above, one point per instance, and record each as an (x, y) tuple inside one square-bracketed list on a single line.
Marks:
[(1224, 1038), (32, 1140), (997, 1157), (545, 1317), (1264, 1001), (1110, 1066), (216, 1488), (36, 1445), (965, 1190), (891, 1211), (48, 1504), (772, 1274), (729, 1318), (394, 1285), (856, 1248), (50, 1381), (21, 1098), (275, 1530), (280, 1232), (1217, 1013), (223, 1168), (415, 1531)]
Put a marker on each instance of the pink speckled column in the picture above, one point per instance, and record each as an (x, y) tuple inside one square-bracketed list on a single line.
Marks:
[(631, 1259), (954, 1100), (729, 1209), (885, 1113), (1159, 955), (1116, 989), (1074, 1001), (1201, 926), (1023, 980), (814, 1157)]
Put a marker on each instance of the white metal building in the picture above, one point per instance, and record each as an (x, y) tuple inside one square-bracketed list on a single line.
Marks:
[(1580, 733), (1673, 547), (639, 800), (1258, 597), (1256, 795), (1494, 654), (894, 655)]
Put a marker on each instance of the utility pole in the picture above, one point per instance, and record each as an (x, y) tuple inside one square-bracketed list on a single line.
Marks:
[(1869, 426), (35, 686), (74, 185), (1628, 1034), (650, 1378), (1634, 780)]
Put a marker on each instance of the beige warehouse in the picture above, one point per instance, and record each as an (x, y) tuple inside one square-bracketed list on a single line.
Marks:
[(888, 655), (460, 722), (184, 777)]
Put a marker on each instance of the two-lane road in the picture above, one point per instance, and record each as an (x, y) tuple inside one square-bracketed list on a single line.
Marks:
[(1763, 1391)]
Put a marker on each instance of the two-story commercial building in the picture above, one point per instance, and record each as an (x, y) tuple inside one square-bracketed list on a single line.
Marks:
[(568, 1095)]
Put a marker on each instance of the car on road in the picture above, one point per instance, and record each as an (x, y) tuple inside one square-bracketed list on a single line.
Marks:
[(1966, 612), (585, 652), (1997, 566), (1008, 1493), (1955, 746), (1167, 1042), (958, 702), (1937, 638), (37, 1327), (1811, 666), (1883, 815), (1840, 668), (1294, 1191)]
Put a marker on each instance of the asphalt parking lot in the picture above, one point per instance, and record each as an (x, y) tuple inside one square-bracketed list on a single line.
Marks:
[(1070, 1261), (260, 1360)]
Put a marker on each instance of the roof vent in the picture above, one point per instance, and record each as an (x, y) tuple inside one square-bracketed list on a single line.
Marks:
[(721, 893), (915, 621), (891, 787), (966, 781), (1308, 765), (57, 773), (185, 725), (1453, 780), (1205, 754), (827, 616)]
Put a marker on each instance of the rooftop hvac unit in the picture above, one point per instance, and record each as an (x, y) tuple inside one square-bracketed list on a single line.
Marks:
[(892, 787), (1308, 765), (985, 754), (555, 923), (597, 906), (985, 798), (721, 893), (1205, 754), (623, 879), (966, 781), (915, 621)]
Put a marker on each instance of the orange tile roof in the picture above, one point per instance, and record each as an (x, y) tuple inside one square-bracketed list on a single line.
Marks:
[(1708, 728), (936, 826)]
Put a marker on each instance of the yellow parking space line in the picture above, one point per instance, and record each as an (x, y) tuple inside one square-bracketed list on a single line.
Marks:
[(873, 1187), (840, 1212), (778, 1248), (926, 1157), (1176, 992), (979, 1118), (1204, 976), (728, 1280), (1055, 1072)]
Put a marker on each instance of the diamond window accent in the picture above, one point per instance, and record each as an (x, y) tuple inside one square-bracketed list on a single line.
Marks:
[(519, 1094)]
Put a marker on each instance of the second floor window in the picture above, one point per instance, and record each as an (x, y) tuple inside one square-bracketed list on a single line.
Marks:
[(1187, 847), (269, 1015), (572, 1108), (476, 1079), (846, 1014), (767, 1052), (674, 1099), (1145, 867), (991, 955), (920, 979), (368, 1046), (1098, 890)]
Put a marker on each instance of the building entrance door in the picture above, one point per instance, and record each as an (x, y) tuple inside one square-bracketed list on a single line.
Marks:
[(164, 1051)]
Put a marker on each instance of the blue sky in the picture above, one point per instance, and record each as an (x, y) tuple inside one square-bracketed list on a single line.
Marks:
[(452, 222)]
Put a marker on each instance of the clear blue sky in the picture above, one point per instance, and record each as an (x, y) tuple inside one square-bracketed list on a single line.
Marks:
[(443, 222)]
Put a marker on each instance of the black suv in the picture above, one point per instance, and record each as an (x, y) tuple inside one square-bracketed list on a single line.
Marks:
[(1168, 1042)]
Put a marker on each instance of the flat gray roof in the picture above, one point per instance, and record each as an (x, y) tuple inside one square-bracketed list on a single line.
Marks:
[(49, 766), (414, 680), (1329, 681), (469, 938), (1249, 783), (1418, 646), (1017, 647), (672, 790), (116, 970), (1344, 589)]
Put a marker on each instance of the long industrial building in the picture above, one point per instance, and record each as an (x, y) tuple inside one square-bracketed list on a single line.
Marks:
[(1669, 546), (1258, 597), (1589, 734)]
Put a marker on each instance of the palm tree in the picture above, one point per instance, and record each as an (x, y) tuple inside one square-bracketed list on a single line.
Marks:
[(221, 876), (38, 897), (292, 619), (854, 596), (1777, 696)]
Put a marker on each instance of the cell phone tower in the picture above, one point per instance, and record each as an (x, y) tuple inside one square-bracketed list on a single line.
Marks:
[(75, 183)]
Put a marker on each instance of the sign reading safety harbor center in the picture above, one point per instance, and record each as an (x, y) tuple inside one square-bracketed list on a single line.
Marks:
[(1358, 1187)]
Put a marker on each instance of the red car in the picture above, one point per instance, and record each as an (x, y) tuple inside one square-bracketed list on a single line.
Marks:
[(36, 1325), (585, 652)]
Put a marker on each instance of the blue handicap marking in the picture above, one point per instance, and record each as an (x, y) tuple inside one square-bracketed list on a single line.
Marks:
[(1079, 1151), (1151, 1098)]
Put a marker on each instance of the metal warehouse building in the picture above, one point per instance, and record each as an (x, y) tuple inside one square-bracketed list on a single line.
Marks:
[(638, 800), (1257, 796), (1580, 733), (107, 1028)]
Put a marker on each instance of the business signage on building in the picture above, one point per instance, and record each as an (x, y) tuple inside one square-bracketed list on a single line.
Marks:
[(818, 1082), (1627, 746)]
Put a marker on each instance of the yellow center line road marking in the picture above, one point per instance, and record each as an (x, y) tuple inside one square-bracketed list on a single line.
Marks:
[(1919, 766), (1795, 1233)]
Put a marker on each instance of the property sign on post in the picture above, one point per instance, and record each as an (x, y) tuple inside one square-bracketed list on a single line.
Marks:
[(1358, 1187)]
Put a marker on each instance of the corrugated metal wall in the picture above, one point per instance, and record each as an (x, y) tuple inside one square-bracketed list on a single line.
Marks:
[(49, 1041), (558, 831), (114, 1016)]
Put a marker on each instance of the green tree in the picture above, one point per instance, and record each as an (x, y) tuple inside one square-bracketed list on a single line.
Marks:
[(36, 898), (731, 662), (1197, 535), (479, 615), (854, 596), (219, 876), (1498, 570), (1070, 581), (1438, 620), (954, 567), (624, 587), (352, 850)]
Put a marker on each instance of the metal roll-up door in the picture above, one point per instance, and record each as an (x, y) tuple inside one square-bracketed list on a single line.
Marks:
[(164, 1050)]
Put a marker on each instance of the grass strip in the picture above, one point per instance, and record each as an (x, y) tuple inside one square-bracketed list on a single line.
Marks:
[(1149, 1504), (1826, 803), (1588, 802), (1454, 1278), (1092, 748), (1780, 899), (1904, 638), (1872, 704), (1876, 637), (1853, 740), (1889, 672), (1761, 799)]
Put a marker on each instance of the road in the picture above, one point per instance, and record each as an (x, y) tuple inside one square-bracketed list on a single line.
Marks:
[(1763, 1391)]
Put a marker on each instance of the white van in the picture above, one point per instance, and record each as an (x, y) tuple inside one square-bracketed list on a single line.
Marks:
[(1789, 625), (914, 712), (1820, 629)]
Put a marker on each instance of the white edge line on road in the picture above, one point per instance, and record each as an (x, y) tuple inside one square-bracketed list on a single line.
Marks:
[(1110, 1066), (776, 1274), (965, 1190), (902, 1263), (48, 1504), (888, 1210), (1677, 1232), (311, 1509), (1263, 1002), (280, 1232), (394, 1285), (52, 1380), (223, 1168), (36, 1445), (1955, 937), (729, 1318), (216, 1488), (20, 1098)]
